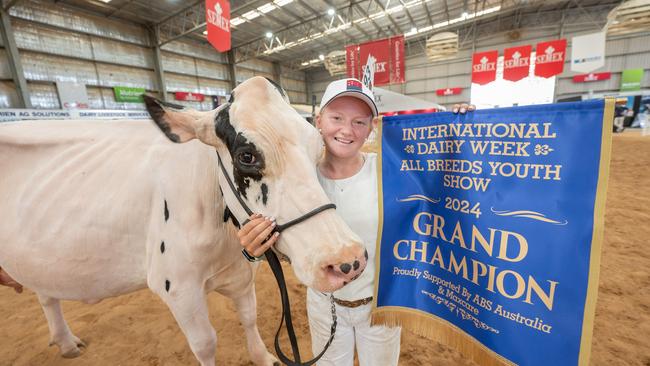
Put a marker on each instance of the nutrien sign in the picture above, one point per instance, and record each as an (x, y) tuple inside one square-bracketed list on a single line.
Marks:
[(217, 17)]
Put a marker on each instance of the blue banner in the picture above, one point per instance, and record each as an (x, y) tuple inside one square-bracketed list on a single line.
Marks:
[(490, 229)]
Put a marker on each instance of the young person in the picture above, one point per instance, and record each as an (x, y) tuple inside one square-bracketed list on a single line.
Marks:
[(349, 178)]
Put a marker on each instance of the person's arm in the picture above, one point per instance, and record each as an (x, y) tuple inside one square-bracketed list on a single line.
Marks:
[(252, 236), (6, 280), (463, 108)]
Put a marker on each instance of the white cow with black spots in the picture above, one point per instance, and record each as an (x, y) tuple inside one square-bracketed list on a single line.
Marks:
[(91, 209)]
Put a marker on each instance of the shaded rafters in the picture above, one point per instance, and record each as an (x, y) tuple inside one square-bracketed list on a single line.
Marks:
[(390, 17), (313, 11), (379, 29), (408, 13)]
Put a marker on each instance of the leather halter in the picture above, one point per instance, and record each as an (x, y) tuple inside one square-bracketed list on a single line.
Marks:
[(274, 263)]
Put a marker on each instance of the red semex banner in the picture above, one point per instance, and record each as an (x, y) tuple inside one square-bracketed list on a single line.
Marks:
[(189, 97), (597, 76), (484, 67), (352, 61), (389, 56), (217, 17), (448, 91), (516, 63), (549, 60)]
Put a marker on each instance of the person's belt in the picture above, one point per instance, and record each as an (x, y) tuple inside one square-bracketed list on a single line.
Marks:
[(353, 304)]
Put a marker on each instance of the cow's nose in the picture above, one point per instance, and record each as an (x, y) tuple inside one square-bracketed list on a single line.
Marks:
[(341, 273)]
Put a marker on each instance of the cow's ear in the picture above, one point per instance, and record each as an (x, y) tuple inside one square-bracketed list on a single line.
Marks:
[(178, 123)]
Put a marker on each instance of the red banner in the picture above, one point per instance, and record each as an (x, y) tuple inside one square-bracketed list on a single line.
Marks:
[(352, 61), (217, 17), (190, 97), (598, 76), (397, 59), (389, 56), (549, 60), (448, 91), (484, 67), (516, 63)]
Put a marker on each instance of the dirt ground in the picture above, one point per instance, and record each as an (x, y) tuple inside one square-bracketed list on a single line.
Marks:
[(137, 329)]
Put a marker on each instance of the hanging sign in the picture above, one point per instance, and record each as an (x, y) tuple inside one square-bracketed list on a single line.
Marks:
[(484, 67), (549, 58), (588, 52), (585, 78), (389, 60), (516, 63), (631, 79), (217, 18), (448, 91), (189, 97), (128, 94)]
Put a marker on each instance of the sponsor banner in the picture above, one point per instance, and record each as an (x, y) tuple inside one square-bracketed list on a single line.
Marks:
[(217, 18), (549, 58), (631, 79), (352, 61), (484, 67), (189, 97), (397, 59), (588, 52), (72, 95), (516, 63), (33, 114), (389, 60), (448, 91), (128, 94), (491, 226), (598, 76)]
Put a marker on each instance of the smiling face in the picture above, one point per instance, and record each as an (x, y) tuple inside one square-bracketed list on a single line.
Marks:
[(345, 124)]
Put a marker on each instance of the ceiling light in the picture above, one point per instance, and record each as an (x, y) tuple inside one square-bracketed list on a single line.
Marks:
[(105, 1), (331, 12), (281, 2), (266, 8), (269, 34), (237, 21), (464, 15), (321, 57), (251, 15), (414, 30)]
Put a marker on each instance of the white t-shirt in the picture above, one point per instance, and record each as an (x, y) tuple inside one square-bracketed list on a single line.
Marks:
[(356, 201)]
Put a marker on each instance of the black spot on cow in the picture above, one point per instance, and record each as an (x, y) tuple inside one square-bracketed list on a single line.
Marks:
[(265, 193), (248, 161), (162, 247), (355, 265), (231, 100), (157, 113), (345, 268), (277, 87), (167, 285), (166, 212), (365, 254), (228, 215)]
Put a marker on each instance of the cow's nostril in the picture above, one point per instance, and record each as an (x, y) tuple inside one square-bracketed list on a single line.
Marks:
[(355, 265), (345, 268)]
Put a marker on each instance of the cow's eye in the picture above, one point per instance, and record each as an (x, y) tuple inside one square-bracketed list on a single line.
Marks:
[(247, 158)]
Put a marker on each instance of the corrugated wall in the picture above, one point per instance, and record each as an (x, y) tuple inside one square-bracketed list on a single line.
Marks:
[(59, 43), (424, 77)]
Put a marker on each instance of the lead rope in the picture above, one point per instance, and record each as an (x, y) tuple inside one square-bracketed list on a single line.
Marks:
[(274, 263)]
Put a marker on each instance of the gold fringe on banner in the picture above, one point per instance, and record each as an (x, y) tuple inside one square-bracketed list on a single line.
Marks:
[(438, 330)]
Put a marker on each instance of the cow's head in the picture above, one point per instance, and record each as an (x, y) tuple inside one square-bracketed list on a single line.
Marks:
[(271, 152)]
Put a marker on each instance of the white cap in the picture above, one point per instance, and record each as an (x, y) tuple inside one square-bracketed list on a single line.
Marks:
[(351, 88)]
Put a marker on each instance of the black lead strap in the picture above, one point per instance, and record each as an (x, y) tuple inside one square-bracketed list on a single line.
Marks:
[(276, 267)]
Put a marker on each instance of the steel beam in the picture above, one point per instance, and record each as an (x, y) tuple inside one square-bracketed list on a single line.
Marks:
[(10, 3), (15, 65), (157, 62), (231, 70)]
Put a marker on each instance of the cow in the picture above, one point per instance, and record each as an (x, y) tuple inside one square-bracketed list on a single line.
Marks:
[(95, 209)]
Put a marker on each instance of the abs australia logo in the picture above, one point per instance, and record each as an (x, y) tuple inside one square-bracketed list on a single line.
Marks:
[(484, 65), (216, 18), (549, 56)]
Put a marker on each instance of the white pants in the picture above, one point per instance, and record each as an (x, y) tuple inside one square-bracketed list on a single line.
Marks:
[(375, 345)]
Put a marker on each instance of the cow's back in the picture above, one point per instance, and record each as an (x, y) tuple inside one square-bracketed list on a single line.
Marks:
[(82, 198)]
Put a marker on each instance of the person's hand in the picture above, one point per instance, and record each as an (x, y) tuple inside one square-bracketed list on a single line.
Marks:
[(463, 108), (252, 236)]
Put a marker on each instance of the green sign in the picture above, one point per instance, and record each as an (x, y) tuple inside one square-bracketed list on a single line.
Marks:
[(126, 94), (631, 79)]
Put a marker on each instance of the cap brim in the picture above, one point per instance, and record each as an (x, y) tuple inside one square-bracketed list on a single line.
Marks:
[(356, 94)]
